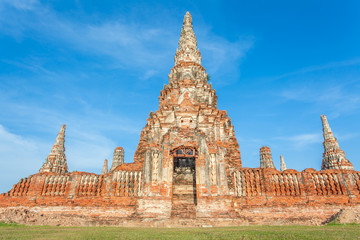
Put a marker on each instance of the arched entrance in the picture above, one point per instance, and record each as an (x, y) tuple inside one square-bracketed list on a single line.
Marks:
[(184, 182)]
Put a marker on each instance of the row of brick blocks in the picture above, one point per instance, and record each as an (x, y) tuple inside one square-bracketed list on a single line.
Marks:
[(248, 183), (257, 182), (122, 183)]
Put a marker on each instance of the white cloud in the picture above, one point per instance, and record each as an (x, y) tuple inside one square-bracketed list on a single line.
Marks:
[(310, 69), (331, 88), (149, 74), (301, 141), (223, 57), (22, 4), (127, 42), (348, 136), (19, 157), (10, 142), (336, 98)]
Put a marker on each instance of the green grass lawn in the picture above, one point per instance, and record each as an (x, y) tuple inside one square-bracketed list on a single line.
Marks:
[(14, 231)]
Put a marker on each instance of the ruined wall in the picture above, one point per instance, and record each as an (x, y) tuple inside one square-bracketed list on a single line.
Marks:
[(251, 187), (76, 188), (309, 187), (259, 196)]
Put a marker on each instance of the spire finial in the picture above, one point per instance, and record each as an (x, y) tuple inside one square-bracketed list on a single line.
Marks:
[(56, 161), (105, 167), (282, 163), (188, 51), (187, 20), (326, 128), (62, 129)]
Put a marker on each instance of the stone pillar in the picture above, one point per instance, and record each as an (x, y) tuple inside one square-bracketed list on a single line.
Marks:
[(266, 158), (155, 155)]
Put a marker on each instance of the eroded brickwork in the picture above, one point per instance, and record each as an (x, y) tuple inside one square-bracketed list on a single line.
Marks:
[(56, 161), (118, 158), (105, 168), (282, 163), (266, 160), (187, 170), (334, 157), (188, 116), (308, 184)]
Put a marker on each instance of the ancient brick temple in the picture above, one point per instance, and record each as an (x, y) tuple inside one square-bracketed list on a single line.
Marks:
[(187, 170)]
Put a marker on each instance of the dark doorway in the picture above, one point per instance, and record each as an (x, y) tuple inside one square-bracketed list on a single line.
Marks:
[(184, 183), (184, 171)]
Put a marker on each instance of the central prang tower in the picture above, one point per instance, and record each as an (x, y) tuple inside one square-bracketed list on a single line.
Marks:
[(188, 145)]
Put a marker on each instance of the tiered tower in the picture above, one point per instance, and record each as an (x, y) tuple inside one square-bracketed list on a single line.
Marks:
[(118, 158), (333, 157), (188, 118), (266, 160), (56, 161)]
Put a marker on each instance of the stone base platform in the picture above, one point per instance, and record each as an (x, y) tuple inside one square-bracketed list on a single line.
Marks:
[(100, 216)]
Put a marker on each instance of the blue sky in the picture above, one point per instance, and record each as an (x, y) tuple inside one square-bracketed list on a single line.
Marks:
[(99, 66)]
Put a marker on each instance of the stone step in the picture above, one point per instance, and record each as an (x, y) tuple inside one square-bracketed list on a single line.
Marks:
[(184, 196), (183, 200), (184, 211), (183, 189), (183, 215), (184, 207)]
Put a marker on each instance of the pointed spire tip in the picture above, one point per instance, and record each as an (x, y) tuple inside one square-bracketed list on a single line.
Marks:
[(325, 122), (187, 19)]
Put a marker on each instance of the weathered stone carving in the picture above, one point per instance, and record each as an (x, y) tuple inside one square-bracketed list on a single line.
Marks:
[(56, 161), (213, 167), (266, 158), (105, 167), (118, 158), (282, 163), (333, 157), (155, 160)]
